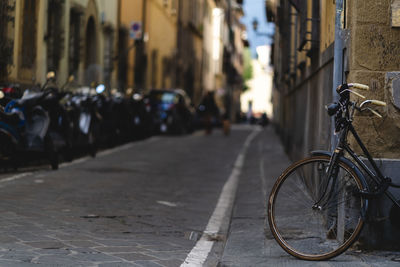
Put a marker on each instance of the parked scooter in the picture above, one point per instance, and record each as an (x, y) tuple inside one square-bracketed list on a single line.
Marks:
[(34, 124), (142, 118), (110, 109), (85, 119), (10, 91)]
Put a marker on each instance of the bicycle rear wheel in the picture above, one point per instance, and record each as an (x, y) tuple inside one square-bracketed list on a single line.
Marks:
[(311, 216)]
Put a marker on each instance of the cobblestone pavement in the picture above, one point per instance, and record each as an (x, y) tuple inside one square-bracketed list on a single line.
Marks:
[(147, 203), (250, 241), (142, 204)]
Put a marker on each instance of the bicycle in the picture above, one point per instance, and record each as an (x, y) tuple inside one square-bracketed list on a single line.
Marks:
[(318, 205)]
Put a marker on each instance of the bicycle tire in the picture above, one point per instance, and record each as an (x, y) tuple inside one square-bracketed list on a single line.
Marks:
[(318, 233)]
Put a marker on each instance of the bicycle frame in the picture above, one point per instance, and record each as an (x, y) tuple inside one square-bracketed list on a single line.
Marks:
[(375, 175)]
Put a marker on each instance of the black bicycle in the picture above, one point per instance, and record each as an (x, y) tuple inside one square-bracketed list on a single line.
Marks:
[(318, 205)]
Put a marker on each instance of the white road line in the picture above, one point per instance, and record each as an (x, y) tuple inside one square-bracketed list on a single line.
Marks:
[(15, 177), (222, 211), (167, 203), (262, 173)]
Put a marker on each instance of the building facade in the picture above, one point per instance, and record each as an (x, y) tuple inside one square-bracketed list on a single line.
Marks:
[(69, 37), (303, 81), (186, 44), (303, 68), (148, 60), (223, 48), (303, 65), (194, 45)]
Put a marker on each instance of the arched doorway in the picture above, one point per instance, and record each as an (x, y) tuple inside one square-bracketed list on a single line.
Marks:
[(92, 68)]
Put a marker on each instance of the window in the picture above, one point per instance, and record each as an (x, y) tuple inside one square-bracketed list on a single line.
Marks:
[(174, 5), (55, 34), (309, 27), (74, 51), (28, 43), (154, 67), (297, 4), (123, 37), (166, 70), (165, 3), (7, 13), (108, 55)]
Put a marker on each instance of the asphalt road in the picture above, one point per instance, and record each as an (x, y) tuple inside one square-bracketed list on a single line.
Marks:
[(141, 204)]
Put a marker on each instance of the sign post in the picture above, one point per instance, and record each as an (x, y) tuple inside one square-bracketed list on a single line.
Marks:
[(136, 30)]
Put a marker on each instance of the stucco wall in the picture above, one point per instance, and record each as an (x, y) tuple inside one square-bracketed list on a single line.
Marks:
[(105, 13), (130, 11), (327, 24), (161, 27)]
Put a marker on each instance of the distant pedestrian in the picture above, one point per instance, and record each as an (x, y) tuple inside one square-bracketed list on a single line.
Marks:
[(208, 111), (264, 121), (226, 124)]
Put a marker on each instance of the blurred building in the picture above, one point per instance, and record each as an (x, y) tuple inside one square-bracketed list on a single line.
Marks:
[(303, 69), (194, 45), (147, 55), (257, 99), (223, 54), (69, 37)]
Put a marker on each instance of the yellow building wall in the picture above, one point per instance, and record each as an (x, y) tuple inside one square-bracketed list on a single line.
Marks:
[(327, 24), (38, 73), (161, 27), (130, 11)]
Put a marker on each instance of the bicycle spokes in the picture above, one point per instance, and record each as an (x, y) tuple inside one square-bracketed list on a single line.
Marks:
[(315, 214)]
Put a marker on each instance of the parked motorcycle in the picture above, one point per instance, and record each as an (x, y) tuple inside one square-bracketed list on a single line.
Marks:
[(85, 119), (34, 124), (10, 91), (141, 117)]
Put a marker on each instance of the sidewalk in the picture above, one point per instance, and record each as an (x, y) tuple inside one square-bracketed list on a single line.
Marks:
[(250, 242)]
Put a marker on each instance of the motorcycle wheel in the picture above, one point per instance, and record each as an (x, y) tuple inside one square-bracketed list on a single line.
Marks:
[(68, 153), (92, 144), (52, 153)]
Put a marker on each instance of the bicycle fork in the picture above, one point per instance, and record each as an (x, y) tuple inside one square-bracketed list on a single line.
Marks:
[(332, 174)]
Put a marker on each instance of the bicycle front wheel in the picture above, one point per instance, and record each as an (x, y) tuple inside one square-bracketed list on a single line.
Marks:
[(313, 216)]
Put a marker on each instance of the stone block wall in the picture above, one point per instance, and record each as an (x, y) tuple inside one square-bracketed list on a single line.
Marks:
[(374, 59)]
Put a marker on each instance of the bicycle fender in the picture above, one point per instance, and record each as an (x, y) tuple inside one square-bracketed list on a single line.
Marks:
[(355, 169)]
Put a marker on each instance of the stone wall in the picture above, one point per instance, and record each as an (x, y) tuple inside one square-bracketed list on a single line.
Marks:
[(375, 60)]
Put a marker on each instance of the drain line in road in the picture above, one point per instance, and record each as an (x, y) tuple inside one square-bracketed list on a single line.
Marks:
[(222, 212)]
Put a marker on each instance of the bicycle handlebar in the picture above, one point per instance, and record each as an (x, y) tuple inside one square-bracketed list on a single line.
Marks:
[(373, 101), (378, 103), (359, 86)]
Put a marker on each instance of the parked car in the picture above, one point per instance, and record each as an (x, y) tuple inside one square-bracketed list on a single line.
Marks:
[(172, 111)]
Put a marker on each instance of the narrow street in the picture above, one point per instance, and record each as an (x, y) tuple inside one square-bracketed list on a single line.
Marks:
[(143, 203), (148, 203)]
